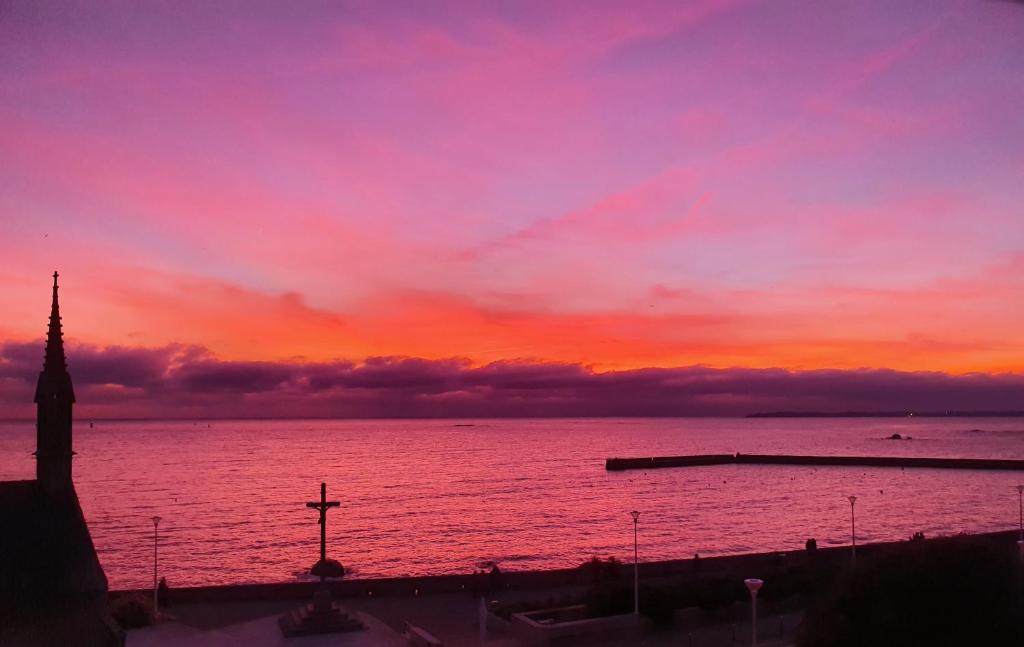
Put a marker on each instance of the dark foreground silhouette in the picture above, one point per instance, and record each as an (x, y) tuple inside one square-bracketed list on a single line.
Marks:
[(957, 592)]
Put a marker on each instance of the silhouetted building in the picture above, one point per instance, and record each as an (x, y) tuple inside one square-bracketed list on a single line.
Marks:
[(52, 588)]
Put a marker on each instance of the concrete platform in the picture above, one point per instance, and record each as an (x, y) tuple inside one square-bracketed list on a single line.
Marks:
[(263, 632)]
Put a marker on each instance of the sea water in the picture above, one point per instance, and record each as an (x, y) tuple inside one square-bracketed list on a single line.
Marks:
[(445, 496)]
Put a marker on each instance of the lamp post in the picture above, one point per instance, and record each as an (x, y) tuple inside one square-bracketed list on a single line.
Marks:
[(1020, 508), (853, 531), (482, 615), (753, 585), (156, 524), (636, 566)]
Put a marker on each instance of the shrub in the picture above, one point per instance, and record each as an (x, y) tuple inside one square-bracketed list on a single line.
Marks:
[(608, 601), (603, 572), (132, 611), (658, 604)]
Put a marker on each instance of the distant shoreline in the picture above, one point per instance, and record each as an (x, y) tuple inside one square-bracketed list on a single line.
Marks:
[(887, 414), (766, 414)]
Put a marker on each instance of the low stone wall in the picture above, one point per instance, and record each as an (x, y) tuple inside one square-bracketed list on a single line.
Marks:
[(497, 623), (420, 637), (568, 626)]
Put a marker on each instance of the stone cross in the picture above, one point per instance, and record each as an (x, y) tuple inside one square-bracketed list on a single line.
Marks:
[(323, 505)]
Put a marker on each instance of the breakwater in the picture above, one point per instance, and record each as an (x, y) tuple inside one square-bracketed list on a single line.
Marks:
[(654, 462)]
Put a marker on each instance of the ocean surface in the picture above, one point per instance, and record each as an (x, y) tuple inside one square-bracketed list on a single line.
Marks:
[(443, 496)]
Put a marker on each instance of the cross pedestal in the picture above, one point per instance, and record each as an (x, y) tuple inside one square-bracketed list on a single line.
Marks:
[(322, 616)]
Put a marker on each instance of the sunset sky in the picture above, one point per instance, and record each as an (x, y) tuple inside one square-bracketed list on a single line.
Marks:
[(274, 192)]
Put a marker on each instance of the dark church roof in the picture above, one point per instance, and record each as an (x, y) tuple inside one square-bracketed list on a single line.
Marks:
[(45, 547), (52, 587)]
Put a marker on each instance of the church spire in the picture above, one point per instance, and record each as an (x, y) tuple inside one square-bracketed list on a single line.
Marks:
[(54, 398), (55, 362)]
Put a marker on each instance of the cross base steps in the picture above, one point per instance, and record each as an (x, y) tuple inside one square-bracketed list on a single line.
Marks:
[(323, 616)]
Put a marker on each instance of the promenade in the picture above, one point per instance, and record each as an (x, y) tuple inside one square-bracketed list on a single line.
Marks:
[(451, 618), (447, 607)]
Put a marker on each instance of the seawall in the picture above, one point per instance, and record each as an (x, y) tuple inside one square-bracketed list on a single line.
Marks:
[(738, 566)]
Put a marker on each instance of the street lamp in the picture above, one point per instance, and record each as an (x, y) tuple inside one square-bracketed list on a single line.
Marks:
[(636, 566), (753, 585), (156, 523), (853, 531), (482, 615), (1020, 507)]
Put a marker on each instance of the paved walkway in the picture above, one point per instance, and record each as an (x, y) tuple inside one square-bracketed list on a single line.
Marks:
[(262, 632), (452, 618)]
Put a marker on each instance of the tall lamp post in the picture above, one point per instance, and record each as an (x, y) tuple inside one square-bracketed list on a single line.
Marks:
[(753, 585), (156, 524), (1020, 507), (482, 615), (853, 530), (636, 565)]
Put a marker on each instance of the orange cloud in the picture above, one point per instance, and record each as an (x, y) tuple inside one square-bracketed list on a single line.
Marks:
[(913, 329)]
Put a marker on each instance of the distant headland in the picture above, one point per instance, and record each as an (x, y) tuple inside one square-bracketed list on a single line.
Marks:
[(887, 414)]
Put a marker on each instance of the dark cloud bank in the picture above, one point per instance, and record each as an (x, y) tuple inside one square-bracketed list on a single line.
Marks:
[(183, 381)]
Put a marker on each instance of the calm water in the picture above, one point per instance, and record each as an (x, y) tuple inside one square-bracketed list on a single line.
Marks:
[(437, 496)]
